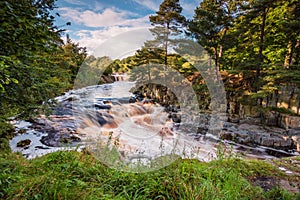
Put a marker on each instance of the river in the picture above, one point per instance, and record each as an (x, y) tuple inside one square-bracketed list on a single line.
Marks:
[(109, 117)]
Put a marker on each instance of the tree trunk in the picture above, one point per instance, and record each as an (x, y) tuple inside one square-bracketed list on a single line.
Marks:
[(216, 58), (149, 72), (261, 44), (295, 55), (221, 46), (288, 56), (166, 49), (291, 98)]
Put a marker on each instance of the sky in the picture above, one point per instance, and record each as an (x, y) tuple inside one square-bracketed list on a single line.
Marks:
[(116, 27)]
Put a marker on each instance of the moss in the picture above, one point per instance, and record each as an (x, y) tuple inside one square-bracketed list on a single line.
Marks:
[(247, 100), (6, 133), (282, 110)]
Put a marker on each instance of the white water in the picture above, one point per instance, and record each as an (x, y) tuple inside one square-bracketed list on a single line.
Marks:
[(36, 147), (136, 129), (102, 116)]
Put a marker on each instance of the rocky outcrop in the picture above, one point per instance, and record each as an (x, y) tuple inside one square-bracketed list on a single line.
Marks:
[(247, 124), (273, 118), (107, 79), (253, 135), (60, 130), (296, 140), (24, 143), (157, 93)]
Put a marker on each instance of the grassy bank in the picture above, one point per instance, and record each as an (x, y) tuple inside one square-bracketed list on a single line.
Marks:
[(74, 175)]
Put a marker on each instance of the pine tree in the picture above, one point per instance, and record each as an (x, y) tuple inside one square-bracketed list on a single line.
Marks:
[(210, 24), (168, 23)]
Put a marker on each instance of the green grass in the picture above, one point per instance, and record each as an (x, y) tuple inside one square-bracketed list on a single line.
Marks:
[(74, 175)]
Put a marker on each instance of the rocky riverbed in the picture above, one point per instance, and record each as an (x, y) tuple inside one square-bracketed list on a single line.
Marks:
[(139, 126)]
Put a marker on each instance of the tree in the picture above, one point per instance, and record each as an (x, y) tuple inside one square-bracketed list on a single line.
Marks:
[(168, 23), (210, 24), (257, 12), (291, 27), (73, 57), (31, 69)]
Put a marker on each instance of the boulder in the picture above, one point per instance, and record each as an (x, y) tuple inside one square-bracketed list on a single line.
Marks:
[(296, 140), (267, 141), (24, 143)]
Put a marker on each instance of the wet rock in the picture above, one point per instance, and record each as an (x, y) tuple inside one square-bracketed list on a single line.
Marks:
[(224, 135), (132, 100), (294, 131), (253, 135), (125, 100), (24, 143), (234, 119), (296, 141), (172, 108), (257, 138), (175, 117), (202, 130), (60, 140), (102, 107), (284, 143), (246, 141), (278, 153), (230, 126), (22, 131), (267, 141), (63, 109), (72, 98), (42, 147)]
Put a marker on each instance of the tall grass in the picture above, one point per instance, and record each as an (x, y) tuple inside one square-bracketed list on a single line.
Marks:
[(78, 175)]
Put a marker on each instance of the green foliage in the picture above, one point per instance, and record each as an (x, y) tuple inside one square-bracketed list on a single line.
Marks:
[(6, 133), (281, 110), (92, 69), (35, 65), (73, 175), (168, 23), (73, 56), (210, 24)]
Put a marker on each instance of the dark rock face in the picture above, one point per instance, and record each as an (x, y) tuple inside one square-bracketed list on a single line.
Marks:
[(24, 143), (60, 140), (253, 135), (60, 131), (158, 93)]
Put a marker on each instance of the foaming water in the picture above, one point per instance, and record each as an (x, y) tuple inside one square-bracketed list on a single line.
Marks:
[(139, 129), (109, 117)]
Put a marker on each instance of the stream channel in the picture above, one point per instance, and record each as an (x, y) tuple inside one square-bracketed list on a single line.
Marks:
[(109, 116)]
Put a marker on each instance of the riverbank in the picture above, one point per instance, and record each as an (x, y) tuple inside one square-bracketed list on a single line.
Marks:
[(82, 174), (109, 113), (78, 175)]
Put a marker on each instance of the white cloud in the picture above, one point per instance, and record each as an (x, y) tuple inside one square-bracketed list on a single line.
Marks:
[(76, 2), (97, 6), (114, 41), (188, 7), (123, 44), (109, 17), (150, 4)]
